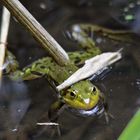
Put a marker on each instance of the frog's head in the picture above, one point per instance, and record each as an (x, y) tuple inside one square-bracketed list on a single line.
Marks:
[(82, 95)]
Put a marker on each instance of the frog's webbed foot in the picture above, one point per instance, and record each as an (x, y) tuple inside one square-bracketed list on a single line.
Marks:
[(11, 64), (118, 35), (108, 116), (84, 40), (86, 43), (106, 113), (82, 37)]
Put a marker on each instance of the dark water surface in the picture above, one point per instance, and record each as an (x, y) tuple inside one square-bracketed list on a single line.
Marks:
[(23, 104)]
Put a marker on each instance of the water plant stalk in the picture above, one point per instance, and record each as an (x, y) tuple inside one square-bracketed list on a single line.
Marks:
[(38, 32)]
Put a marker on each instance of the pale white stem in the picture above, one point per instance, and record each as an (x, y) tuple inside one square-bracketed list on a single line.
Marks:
[(3, 36), (91, 67), (48, 123)]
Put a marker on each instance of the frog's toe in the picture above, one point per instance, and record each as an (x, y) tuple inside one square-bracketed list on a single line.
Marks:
[(108, 116)]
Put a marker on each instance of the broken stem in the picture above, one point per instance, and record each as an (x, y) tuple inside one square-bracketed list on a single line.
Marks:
[(39, 33), (3, 36)]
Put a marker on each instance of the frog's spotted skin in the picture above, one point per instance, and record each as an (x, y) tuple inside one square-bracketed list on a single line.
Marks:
[(83, 95)]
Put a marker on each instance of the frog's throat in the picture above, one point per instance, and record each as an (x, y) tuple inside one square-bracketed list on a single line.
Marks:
[(95, 111)]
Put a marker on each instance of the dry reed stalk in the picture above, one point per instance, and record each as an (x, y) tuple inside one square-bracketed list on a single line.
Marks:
[(3, 36)]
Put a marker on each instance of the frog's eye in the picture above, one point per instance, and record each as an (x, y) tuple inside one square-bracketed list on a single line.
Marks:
[(72, 94), (94, 89)]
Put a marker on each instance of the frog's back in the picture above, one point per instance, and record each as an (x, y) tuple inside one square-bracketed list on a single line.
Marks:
[(60, 73), (46, 66)]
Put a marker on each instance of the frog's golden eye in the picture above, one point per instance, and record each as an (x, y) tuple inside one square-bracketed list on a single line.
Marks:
[(94, 90), (72, 94)]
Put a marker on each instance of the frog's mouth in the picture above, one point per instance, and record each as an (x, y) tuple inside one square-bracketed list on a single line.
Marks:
[(97, 110)]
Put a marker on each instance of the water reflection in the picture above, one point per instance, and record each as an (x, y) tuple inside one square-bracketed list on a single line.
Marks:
[(14, 102), (127, 12)]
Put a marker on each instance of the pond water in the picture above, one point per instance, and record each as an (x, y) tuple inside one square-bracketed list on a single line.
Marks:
[(23, 104)]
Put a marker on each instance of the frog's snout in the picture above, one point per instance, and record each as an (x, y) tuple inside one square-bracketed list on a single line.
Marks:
[(87, 101)]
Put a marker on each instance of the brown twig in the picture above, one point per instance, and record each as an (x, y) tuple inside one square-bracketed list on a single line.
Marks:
[(39, 33), (3, 36)]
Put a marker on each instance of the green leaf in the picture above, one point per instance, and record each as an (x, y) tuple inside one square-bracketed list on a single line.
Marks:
[(132, 130)]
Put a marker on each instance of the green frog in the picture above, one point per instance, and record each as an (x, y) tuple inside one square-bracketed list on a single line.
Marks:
[(83, 97)]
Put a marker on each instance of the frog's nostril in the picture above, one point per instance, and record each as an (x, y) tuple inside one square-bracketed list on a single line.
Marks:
[(76, 28), (87, 101)]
